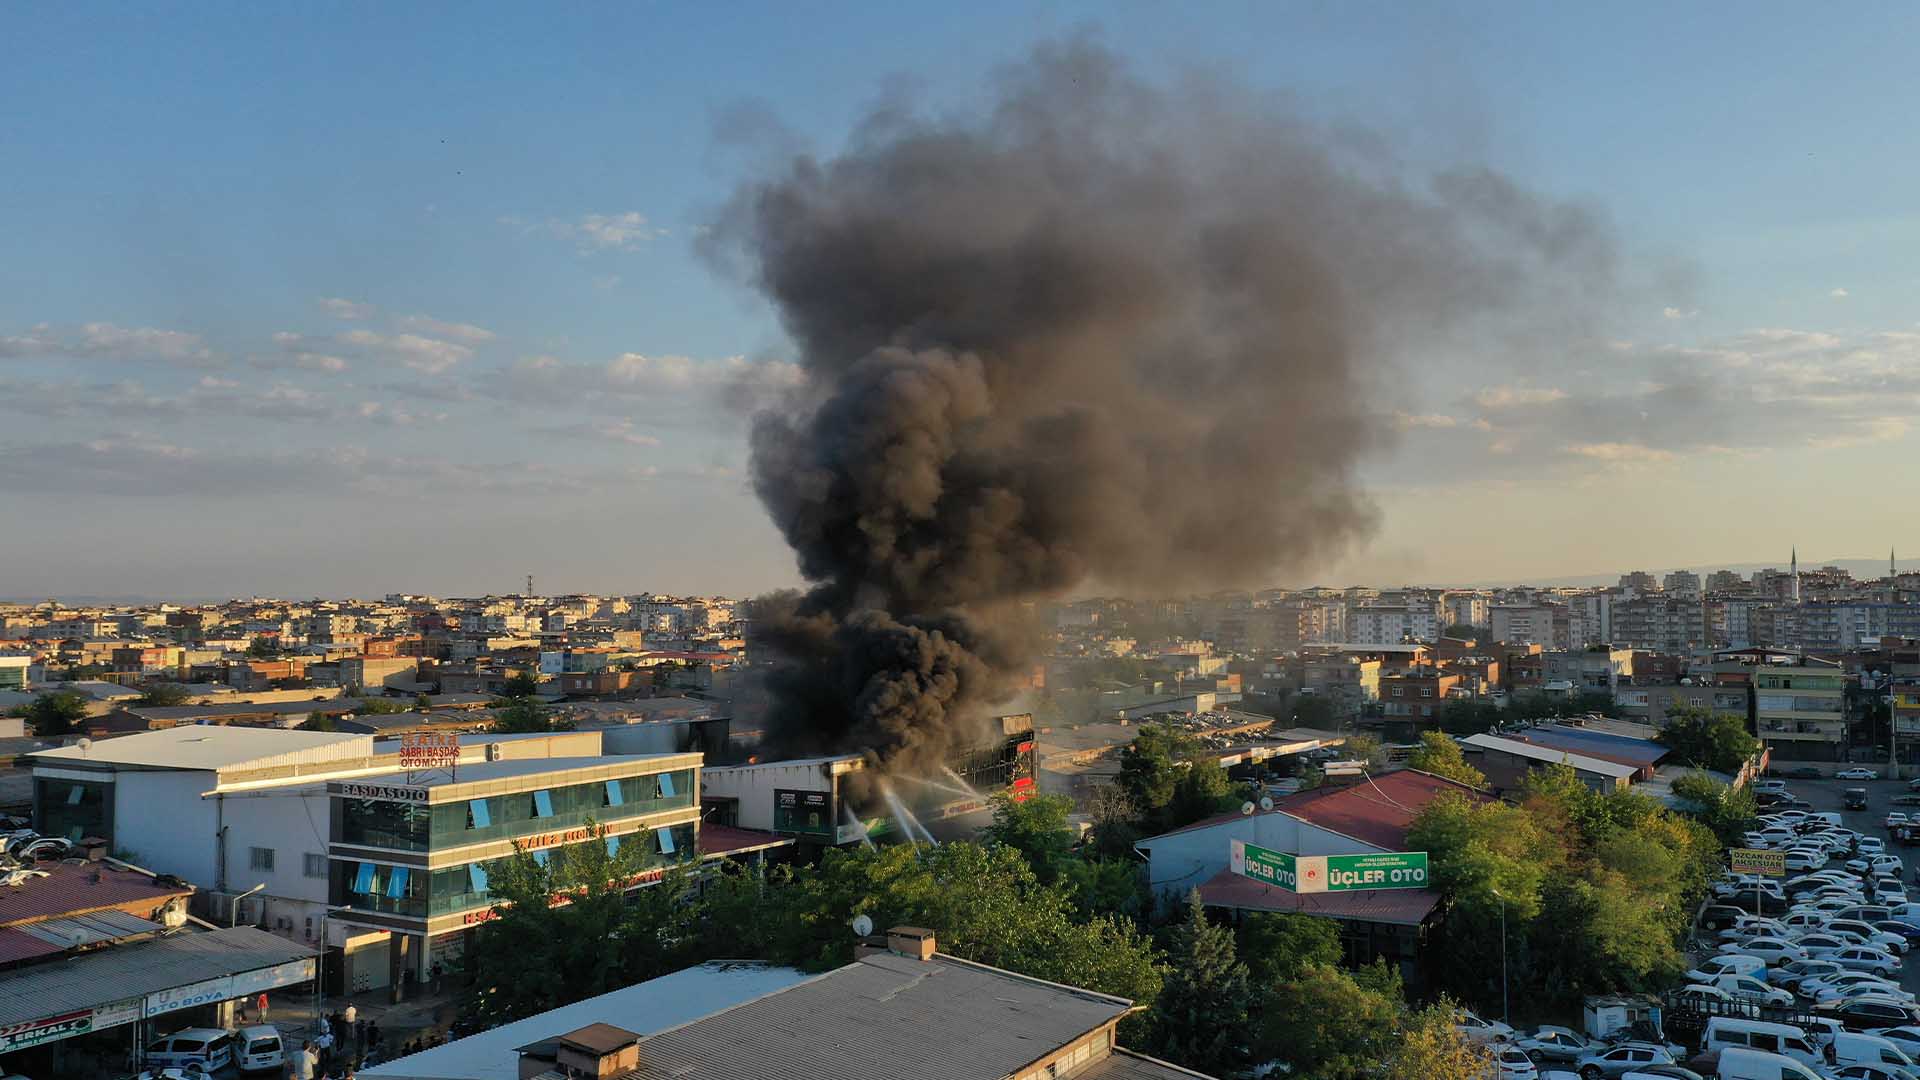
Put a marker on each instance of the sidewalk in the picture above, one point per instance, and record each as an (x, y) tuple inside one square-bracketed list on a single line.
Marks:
[(424, 1014)]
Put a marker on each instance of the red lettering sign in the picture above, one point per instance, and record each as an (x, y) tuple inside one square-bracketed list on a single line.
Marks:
[(429, 750)]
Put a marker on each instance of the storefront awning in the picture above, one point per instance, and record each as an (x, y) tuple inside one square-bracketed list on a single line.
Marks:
[(1397, 907)]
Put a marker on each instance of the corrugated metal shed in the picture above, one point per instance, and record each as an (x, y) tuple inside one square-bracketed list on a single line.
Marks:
[(884, 1016), (108, 975), (212, 748), (70, 888), (78, 931), (1127, 1065)]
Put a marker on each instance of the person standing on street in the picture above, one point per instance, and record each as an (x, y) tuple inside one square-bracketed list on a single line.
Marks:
[(260, 1009)]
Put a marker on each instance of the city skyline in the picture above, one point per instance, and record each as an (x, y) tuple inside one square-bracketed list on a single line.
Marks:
[(286, 331)]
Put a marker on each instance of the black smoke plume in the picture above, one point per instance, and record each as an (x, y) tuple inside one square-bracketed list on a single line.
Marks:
[(1099, 331)]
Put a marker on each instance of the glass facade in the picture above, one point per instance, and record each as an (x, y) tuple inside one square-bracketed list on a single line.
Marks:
[(397, 890), (71, 808), (527, 813)]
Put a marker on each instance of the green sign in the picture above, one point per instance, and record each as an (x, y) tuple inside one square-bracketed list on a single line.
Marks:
[(1330, 873)]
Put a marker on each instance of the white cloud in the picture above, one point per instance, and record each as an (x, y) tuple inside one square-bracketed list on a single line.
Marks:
[(1621, 453), (1679, 313), (459, 331), (106, 341), (430, 356), (350, 310), (1877, 429), (1839, 294), (625, 231), (298, 351), (1509, 397), (619, 431), (1406, 421)]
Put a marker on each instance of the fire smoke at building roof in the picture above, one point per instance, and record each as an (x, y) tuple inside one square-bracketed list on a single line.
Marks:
[(1098, 330)]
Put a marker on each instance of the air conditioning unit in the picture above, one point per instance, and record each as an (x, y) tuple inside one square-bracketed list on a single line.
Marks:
[(495, 751)]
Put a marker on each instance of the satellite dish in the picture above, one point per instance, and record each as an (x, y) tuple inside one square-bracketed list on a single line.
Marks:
[(862, 926), (1266, 802), (1246, 808)]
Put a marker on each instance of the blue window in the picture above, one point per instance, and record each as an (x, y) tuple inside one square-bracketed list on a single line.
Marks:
[(613, 845), (543, 803), (477, 815), (666, 785), (397, 883), (74, 793), (666, 840), (363, 878), (615, 797), (477, 877), (540, 857)]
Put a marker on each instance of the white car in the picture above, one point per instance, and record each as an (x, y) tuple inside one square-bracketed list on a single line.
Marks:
[(211, 1047), (1771, 949), (1749, 988), (1805, 859), (1895, 817), (1867, 958), (1797, 974), (1877, 865), (1512, 1064), (1849, 984), (1906, 1038), (1871, 935), (1856, 773), (1483, 1031), (1873, 845), (1870, 1070)]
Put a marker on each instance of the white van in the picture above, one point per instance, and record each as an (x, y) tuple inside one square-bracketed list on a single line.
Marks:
[(258, 1049), (1851, 1049), (1735, 1033), (1737, 1064)]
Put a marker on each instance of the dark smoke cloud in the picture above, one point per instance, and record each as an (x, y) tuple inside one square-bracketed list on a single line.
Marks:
[(1102, 331)]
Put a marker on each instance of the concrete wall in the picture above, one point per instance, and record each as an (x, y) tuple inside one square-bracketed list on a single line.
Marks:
[(754, 786), (161, 819)]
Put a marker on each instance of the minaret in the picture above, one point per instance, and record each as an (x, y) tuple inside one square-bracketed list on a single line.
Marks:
[(1795, 565), (1893, 571)]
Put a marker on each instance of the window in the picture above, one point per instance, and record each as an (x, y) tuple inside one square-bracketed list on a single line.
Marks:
[(1399, 691), (315, 865), (477, 877), (1426, 691), (614, 795), (397, 882), (363, 878), (613, 846), (666, 785), (666, 840), (260, 858), (477, 815), (543, 803)]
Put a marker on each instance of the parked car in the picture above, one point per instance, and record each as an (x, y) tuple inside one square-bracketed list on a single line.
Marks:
[(1619, 1060), (1721, 916), (1771, 949), (259, 1048), (1856, 773), (1485, 1031), (1869, 1071), (1511, 1064), (1867, 1012), (1548, 1043), (211, 1047), (1660, 1072), (1798, 972), (1854, 798), (1866, 958)]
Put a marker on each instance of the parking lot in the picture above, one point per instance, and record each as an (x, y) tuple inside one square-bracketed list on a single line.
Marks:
[(1825, 795)]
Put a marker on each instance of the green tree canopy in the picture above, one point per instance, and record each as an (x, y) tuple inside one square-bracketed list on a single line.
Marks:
[(161, 695), (1278, 946), (57, 714), (1326, 1024), (263, 648), (318, 721), (1200, 1017), (521, 684), (1037, 827), (1728, 811), (1441, 756), (1707, 739), (1172, 779)]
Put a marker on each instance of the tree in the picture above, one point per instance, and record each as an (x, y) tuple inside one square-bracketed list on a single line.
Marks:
[(57, 714), (1432, 1047), (1037, 828), (1367, 750), (422, 702), (1706, 739), (263, 648), (1172, 779), (1326, 1024), (378, 706), (1316, 711), (1441, 756), (1200, 1017), (1464, 716), (1728, 811), (318, 721), (162, 695), (1278, 946), (521, 716), (521, 684), (564, 928)]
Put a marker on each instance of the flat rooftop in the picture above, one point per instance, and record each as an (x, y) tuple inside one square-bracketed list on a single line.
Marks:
[(211, 748)]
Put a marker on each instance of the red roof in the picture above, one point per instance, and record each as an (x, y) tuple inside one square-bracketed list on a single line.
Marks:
[(1401, 907), (1376, 811), (18, 945), (717, 841), (68, 890)]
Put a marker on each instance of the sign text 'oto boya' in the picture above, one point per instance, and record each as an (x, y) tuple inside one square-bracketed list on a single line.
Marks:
[(1330, 873)]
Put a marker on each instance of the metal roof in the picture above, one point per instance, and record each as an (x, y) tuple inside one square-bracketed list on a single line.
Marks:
[(1124, 1064), (885, 1016), (642, 1008), (1551, 755), (1376, 811), (96, 978), (213, 747), (76, 931), (70, 889)]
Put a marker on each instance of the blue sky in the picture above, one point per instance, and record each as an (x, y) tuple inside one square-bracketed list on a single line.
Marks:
[(359, 298)]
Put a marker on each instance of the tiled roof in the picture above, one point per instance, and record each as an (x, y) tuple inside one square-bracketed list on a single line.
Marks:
[(720, 840), (884, 1016), (1401, 907), (1376, 811), (72, 889)]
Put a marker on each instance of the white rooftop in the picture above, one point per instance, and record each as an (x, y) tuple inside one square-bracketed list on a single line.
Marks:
[(644, 1008), (212, 747)]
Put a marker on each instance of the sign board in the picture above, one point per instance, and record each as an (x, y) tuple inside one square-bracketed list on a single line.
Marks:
[(45, 1030), (429, 751), (228, 987), (1756, 861), (1330, 873), (809, 812), (384, 791)]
